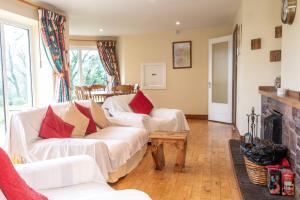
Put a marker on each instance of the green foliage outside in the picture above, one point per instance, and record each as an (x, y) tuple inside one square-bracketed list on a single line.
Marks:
[(92, 68)]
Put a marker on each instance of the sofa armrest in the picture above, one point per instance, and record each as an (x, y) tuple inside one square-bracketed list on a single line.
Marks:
[(60, 172), (177, 117), (130, 119)]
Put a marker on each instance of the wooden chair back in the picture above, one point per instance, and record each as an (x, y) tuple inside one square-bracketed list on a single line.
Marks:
[(86, 92), (79, 93), (123, 89), (95, 89)]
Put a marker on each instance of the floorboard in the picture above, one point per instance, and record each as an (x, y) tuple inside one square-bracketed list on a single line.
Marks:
[(208, 174)]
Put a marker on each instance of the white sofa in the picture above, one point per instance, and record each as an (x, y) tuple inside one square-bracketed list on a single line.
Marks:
[(160, 119), (72, 178), (117, 150)]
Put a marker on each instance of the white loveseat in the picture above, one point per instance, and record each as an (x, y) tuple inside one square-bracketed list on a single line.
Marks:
[(72, 178), (117, 150), (160, 119)]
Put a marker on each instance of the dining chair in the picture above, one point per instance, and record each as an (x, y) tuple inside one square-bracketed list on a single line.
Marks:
[(123, 89), (80, 93), (95, 93)]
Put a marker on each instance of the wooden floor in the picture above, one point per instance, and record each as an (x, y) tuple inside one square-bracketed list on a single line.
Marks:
[(208, 174)]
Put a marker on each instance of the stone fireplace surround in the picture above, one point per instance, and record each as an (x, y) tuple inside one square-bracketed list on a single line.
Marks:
[(289, 107)]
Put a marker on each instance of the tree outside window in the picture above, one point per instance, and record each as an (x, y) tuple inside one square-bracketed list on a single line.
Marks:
[(86, 68)]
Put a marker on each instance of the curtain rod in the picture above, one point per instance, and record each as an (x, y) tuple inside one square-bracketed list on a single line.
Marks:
[(83, 40), (35, 5), (89, 40)]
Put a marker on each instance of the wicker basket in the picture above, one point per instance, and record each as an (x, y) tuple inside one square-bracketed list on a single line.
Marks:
[(257, 174)]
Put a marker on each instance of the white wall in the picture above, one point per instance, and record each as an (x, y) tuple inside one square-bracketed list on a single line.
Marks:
[(258, 19), (187, 89), (290, 69)]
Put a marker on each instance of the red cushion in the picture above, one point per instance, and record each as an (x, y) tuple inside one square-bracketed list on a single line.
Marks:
[(141, 104), (87, 112), (54, 127), (12, 185)]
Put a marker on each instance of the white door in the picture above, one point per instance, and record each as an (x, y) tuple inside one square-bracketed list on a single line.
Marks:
[(220, 79)]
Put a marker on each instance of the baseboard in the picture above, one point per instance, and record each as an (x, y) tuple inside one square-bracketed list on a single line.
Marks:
[(237, 133), (200, 117)]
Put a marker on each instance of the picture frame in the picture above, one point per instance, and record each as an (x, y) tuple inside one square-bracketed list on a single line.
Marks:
[(154, 76), (182, 54)]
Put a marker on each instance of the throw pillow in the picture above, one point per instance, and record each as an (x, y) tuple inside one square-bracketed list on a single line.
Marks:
[(99, 115), (54, 127), (141, 104), (79, 121), (87, 112), (12, 185)]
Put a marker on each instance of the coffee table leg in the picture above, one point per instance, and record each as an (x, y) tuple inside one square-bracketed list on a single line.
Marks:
[(180, 160), (158, 155)]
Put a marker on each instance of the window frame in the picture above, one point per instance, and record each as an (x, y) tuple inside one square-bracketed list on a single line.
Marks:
[(30, 89), (80, 49)]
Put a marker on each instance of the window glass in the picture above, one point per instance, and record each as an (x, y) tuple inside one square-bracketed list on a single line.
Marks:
[(2, 106), (74, 67), (86, 68), (92, 69), (220, 73), (17, 60)]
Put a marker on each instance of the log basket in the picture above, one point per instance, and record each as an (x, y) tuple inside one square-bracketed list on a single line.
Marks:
[(257, 174)]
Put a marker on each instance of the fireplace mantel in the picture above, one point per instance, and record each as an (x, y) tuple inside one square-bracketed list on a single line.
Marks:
[(292, 98)]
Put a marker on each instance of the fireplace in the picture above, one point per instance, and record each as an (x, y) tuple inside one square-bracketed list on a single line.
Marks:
[(280, 120), (272, 127)]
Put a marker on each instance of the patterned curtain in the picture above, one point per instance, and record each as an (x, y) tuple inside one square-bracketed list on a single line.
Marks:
[(108, 56), (52, 27)]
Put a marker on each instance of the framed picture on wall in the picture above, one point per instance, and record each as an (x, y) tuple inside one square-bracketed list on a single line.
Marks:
[(182, 54), (154, 76)]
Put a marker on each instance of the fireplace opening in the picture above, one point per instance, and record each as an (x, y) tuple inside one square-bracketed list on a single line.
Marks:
[(273, 127)]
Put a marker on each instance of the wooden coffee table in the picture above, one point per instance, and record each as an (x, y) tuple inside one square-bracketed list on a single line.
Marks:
[(178, 139)]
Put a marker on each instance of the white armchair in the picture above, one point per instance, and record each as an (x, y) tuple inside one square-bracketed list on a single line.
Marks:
[(76, 178), (160, 119)]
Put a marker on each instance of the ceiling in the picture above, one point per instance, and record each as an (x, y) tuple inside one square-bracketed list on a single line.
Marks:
[(122, 17)]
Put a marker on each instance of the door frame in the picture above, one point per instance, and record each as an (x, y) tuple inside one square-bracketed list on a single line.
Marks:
[(234, 74), (229, 39)]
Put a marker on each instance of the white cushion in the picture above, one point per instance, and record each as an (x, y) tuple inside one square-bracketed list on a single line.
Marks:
[(74, 117), (99, 115)]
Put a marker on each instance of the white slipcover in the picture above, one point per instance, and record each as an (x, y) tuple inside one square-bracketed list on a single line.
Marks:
[(110, 147), (160, 119), (76, 178)]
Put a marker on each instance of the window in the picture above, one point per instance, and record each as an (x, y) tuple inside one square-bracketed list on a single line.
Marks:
[(86, 67), (17, 64), (15, 75)]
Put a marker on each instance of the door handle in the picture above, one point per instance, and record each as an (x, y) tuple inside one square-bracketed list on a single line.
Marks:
[(209, 84)]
